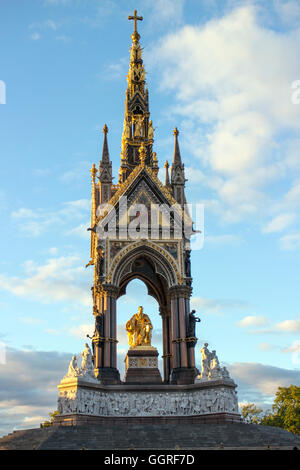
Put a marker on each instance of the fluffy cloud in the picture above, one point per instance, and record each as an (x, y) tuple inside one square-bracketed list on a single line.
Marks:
[(82, 331), (226, 239), (28, 387), (279, 223), (33, 223), (290, 326), (259, 382), (216, 306), (232, 81), (290, 242), (286, 326), (59, 279), (252, 320)]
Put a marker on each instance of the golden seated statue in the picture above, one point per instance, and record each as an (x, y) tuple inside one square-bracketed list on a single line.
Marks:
[(139, 329)]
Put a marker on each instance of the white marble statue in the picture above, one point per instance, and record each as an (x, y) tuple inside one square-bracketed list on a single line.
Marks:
[(86, 371), (214, 368), (205, 361), (211, 369), (73, 370), (87, 366)]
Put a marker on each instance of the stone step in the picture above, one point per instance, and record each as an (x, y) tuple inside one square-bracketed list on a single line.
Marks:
[(121, 437)]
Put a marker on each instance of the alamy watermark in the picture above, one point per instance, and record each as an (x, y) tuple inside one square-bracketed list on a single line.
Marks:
[(2, 92), (153, 221), (295, 97)]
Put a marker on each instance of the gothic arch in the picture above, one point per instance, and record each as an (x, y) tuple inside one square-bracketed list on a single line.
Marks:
[(159, 258)]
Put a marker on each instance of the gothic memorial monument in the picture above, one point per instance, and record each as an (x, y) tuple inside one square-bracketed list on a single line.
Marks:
[(141, 228)]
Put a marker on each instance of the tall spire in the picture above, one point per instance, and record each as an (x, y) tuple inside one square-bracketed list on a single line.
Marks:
[(105, 170), (177, 156), (177, 172), (138, 128), (105, 152)]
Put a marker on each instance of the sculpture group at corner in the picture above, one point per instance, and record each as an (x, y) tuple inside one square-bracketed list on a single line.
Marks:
[(210, 366), (86, 370)]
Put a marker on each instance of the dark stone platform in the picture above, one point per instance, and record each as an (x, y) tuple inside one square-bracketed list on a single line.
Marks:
[(152, 437), (141, 366)]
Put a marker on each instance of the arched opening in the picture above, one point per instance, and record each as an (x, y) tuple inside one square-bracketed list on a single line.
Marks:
[(137, 294)]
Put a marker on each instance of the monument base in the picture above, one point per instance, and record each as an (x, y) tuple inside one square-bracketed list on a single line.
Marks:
[(141, 366), (82, 402), (83, 420)]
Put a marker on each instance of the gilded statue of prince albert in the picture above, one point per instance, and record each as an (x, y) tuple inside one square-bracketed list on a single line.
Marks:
[(139, 329)]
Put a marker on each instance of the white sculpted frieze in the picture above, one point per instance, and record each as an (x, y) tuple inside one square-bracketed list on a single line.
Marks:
[(191, 403)]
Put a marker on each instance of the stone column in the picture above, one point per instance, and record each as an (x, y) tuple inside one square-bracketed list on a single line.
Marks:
[(191, 341), (106, 356), (166, 344), (183, 367), (98, 344)]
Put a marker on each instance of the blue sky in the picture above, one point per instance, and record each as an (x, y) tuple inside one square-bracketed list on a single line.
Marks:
[(222, 72)]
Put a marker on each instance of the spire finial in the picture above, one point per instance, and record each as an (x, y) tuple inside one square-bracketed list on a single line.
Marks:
[(105, 152), (94, 172), (177, 156), (135, 18)]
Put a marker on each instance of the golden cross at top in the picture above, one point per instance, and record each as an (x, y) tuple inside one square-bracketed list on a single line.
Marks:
[(135, 18)]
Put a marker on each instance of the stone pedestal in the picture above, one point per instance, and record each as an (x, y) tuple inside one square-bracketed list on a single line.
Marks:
[(141, 366)]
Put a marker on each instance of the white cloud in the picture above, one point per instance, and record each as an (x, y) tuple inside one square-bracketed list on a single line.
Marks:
[(33, 223), (286, 326), (44, 25), (234, 75), (30, 320), (292, 197), (166, 11), (226, 239), (59, 279), (252, 320), (279, 223), (290, 242), (80, 231), (28, 387), (216, 306), (254, 377), (35, 36), (82, 331), (79, 171), (289, 326), (266, 347)]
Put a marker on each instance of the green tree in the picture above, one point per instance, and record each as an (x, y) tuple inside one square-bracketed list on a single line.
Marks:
[(52, 415), (285, 410), (251, 413)]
